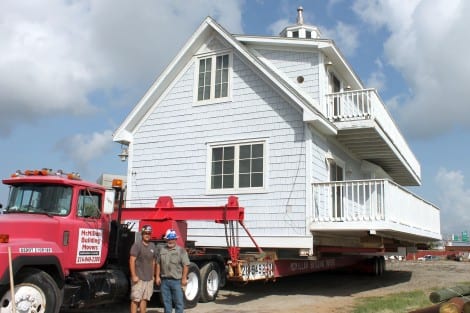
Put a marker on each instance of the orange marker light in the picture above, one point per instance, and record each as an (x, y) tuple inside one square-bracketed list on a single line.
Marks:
[(117, 183), (4, 238)]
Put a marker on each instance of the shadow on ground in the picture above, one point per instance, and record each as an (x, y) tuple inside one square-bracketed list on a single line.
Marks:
[(328, 284)]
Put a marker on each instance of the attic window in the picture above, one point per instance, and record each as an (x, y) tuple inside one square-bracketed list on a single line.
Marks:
[(308, 34), (213, 77)]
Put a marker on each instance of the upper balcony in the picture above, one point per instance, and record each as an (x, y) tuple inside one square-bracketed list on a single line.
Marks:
[(366, 128), (379, 206)]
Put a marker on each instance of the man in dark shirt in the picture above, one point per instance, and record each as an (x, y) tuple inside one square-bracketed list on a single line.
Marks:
[(142, 265), (171, 272)]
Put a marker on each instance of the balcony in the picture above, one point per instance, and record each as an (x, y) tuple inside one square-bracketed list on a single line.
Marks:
[(367, 129), (380, 205)]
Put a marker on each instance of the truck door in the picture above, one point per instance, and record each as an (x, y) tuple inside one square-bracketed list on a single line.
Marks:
[(88, 244)]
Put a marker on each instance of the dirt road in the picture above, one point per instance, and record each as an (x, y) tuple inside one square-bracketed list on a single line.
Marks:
[(328, 292)]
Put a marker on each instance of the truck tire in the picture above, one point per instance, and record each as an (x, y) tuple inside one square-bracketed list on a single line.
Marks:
[(192, 291), (37, 291), (210, 281)]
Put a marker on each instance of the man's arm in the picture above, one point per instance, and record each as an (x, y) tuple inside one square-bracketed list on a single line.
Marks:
[(157, 273), (134, 277), (184, 276)]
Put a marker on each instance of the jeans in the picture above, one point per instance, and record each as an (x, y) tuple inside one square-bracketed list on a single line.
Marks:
[(172, 292)]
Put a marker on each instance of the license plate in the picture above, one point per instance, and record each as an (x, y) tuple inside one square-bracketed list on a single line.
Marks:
[(257, 270)]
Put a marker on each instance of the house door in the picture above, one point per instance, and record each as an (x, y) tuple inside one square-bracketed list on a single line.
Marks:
[(336, 177), (335, 87)]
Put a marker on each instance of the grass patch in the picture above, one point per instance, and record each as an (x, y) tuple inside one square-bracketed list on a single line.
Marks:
[(402, 302)]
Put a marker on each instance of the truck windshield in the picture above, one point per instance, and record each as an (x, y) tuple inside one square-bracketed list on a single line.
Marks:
[(40, 198)]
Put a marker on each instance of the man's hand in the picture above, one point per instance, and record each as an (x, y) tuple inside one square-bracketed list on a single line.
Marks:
[(158, 280), (135, 279), (184, 281)]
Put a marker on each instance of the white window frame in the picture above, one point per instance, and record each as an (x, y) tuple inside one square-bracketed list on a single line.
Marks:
[(236, 189), (212, 98)]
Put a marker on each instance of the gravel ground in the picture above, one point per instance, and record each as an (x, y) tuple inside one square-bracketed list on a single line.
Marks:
[(326, 292)]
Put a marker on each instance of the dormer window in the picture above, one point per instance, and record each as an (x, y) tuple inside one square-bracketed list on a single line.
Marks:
[(213, 77)]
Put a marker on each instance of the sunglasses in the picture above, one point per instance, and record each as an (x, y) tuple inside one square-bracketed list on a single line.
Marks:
[(147, 233)]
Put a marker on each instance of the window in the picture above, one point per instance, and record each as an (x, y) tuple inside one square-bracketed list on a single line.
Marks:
[(40, 198), (213, 79), (240, 167), (89, 204)]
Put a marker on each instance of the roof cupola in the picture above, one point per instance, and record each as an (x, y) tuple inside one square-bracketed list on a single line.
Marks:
[(301, 30)]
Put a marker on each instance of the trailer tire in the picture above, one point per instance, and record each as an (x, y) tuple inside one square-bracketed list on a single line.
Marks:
[(383, 265), (378, 265), (210, 281), (38, 291), (192, 292)]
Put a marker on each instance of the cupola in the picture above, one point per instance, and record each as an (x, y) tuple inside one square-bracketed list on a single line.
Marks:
[(301, 30)]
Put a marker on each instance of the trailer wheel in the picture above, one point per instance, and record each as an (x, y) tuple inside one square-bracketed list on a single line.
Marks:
[(210, 281), (192, 291), (35, 292), (378, 265), (383, 265)]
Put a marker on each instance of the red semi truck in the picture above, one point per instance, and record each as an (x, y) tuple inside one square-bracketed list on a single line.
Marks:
[(64, 243)]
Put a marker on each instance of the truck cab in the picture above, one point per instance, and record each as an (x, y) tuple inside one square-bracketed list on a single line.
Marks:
[(53, 225)]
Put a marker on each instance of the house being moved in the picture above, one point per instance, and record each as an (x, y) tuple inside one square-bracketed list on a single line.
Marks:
[(285, 124)]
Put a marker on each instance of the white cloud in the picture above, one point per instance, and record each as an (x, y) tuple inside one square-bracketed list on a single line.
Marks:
[(426, 45), (56, 56), (276, 27), (81, 149), (377, 79), (454, 199), (344, 35)]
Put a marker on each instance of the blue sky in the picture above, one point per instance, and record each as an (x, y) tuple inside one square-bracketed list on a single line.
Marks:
[(70, 72)]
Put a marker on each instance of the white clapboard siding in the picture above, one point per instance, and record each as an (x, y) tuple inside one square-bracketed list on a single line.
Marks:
[(170, 148), (294, 64)]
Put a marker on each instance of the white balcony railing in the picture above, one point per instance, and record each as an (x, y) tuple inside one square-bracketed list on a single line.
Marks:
[(366, 104), (373, 200)]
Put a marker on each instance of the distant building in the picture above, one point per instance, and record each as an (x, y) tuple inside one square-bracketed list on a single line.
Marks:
[(107, 179)]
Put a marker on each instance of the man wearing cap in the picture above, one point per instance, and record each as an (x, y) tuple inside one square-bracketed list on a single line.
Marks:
[(171, 272), (141, 266)]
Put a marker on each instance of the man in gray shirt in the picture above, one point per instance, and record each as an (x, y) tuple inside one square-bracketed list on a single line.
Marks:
[(141, 266), (171, 272)]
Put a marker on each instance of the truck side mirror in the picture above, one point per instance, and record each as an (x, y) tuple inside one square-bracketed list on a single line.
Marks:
[(109, 201)]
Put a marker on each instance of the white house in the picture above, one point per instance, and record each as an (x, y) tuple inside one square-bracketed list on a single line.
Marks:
[(284, 123)]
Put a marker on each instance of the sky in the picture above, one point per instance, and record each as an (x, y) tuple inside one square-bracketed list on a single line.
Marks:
[(71, 71)]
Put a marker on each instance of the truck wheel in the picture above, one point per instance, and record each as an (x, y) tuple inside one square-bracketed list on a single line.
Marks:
[(192, 291), (35, 292), (210, 281)]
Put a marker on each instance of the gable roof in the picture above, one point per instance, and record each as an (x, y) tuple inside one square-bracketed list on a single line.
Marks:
[(273, 77)]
